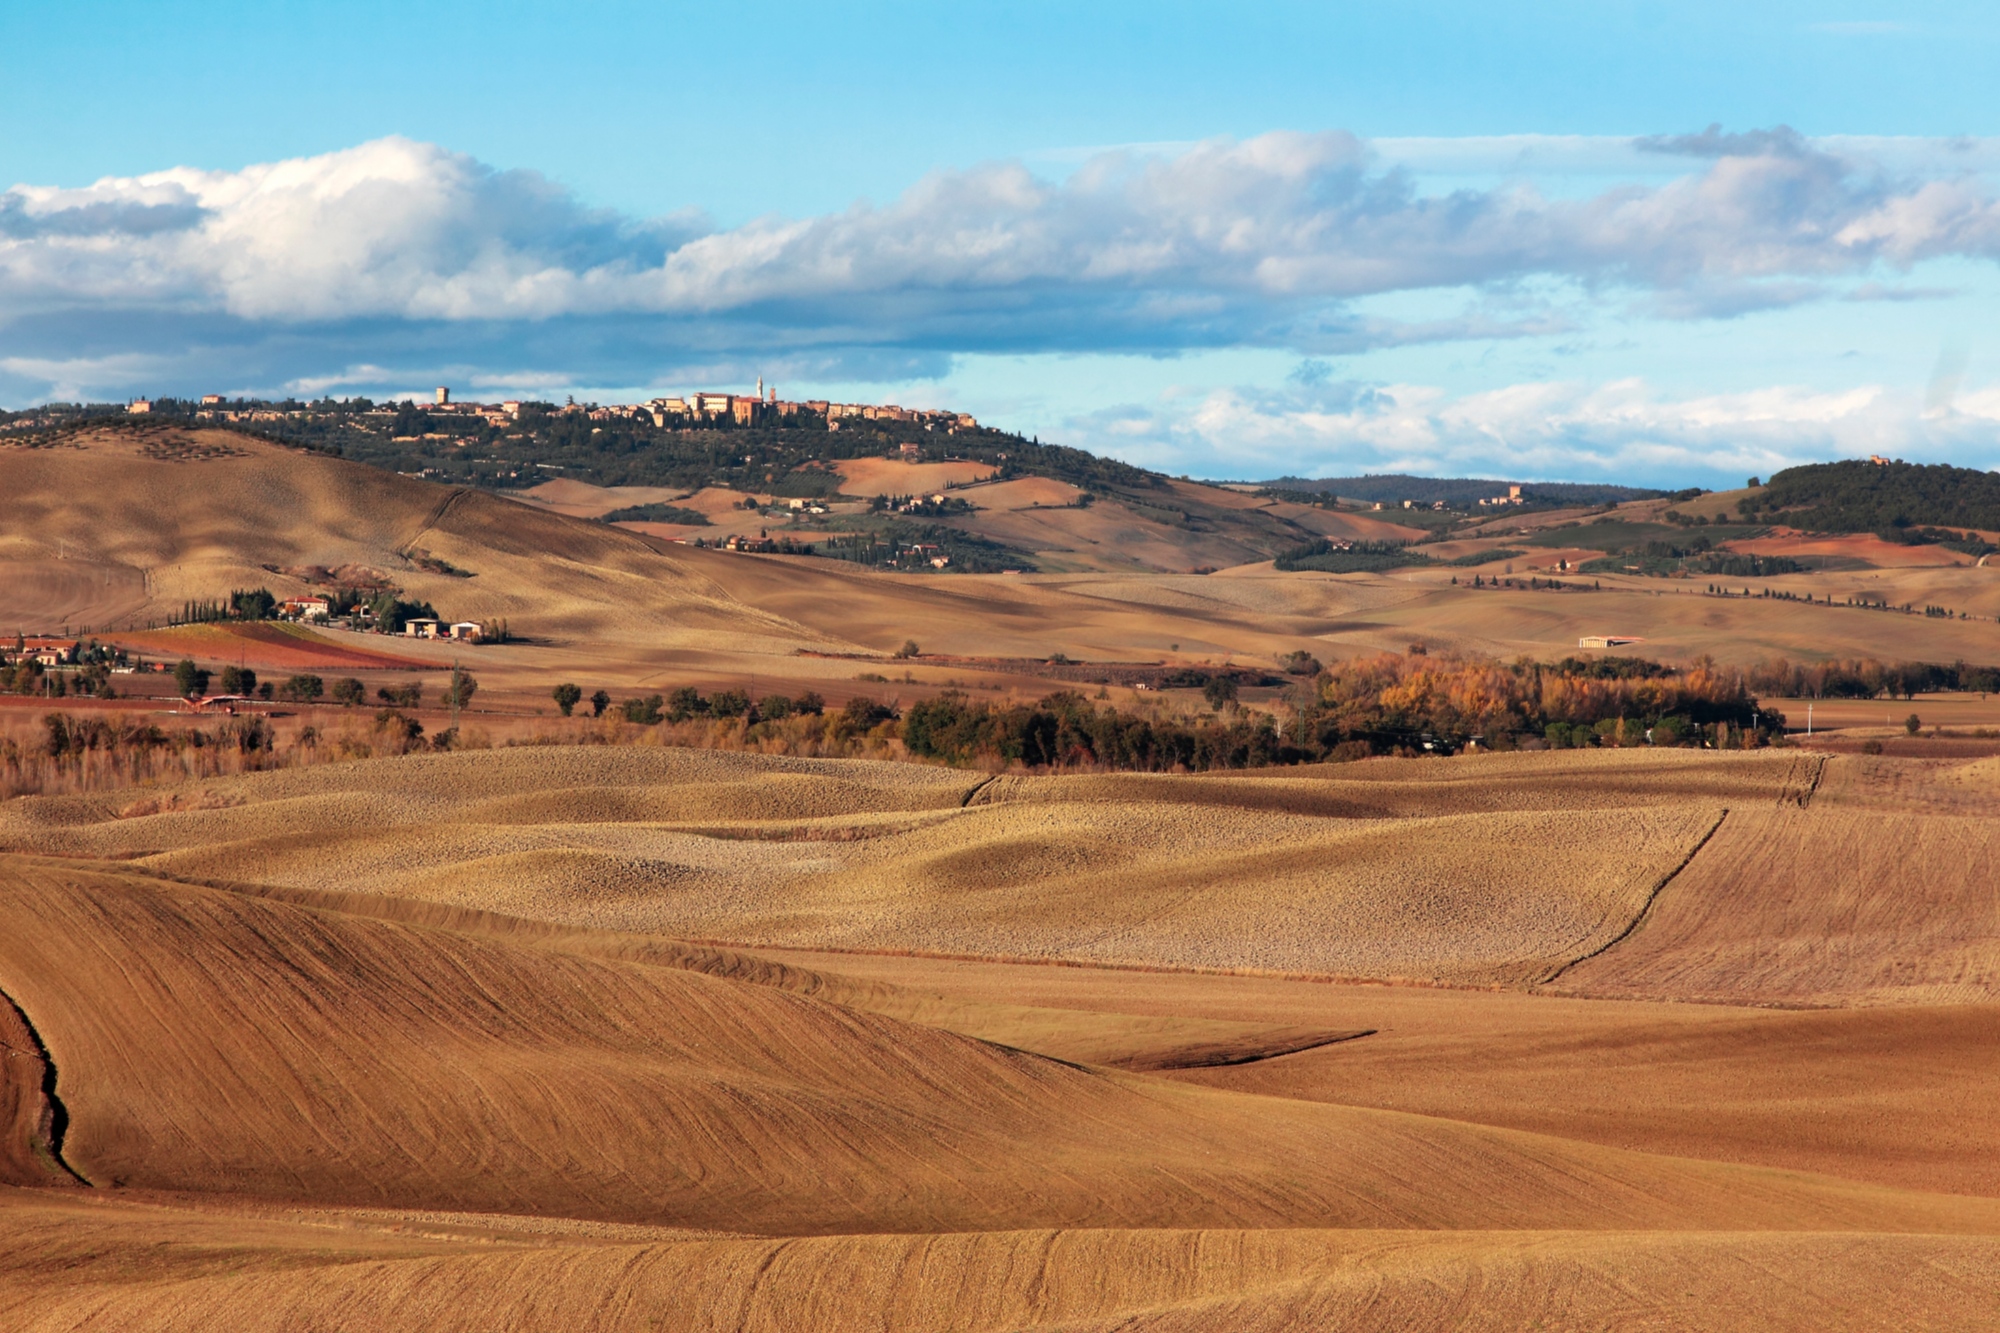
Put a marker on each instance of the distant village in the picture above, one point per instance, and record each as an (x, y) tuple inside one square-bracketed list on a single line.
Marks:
[(1512, 497), (687, 412)]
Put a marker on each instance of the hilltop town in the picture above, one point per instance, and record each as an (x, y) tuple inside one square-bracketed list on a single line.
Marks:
[(690, 411)]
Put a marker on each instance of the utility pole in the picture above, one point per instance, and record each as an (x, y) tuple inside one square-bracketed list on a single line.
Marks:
[(454, 694)]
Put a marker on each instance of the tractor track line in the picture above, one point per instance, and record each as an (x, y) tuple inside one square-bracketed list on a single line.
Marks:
[(1645, 909)]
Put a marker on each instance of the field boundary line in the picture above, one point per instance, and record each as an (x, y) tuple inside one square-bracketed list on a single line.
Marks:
[(1645, 908), (55, 1116)]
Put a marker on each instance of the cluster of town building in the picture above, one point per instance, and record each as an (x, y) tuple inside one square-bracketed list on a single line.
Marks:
[(763, 406)]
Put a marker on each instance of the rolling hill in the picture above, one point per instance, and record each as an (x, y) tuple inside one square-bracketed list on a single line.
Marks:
[(429, 1039)]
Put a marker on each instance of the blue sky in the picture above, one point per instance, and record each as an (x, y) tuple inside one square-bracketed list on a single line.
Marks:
[(1233, 241)]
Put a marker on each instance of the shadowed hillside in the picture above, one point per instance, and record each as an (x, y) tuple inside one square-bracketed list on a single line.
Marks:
[(157, 518)]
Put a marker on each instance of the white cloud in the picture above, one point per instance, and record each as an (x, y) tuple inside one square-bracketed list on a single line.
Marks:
[(1620, 431), (1223, 242), (397, 263)]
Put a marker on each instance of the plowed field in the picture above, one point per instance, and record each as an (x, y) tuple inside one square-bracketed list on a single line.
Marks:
[(276, 647), (629, 1038)]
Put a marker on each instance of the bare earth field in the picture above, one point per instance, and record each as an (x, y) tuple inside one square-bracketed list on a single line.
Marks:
[(634, 1038), (568, 1036)]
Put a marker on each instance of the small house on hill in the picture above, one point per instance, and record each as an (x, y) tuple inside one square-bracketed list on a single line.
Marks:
[(1606, 641), (47, 650), (306, 608), (467, 631), (423, 628)]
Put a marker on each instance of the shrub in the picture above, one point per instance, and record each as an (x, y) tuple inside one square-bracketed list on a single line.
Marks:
[(407, 695), (1871, 747), (1913, 724), (909, 649), (863, 712), (405, 729), (645, 712), (1301, 663), (303, 689)]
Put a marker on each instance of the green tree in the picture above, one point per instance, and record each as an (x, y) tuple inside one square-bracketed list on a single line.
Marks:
[(599, 701), (1913, 724), (392, 613), (348, 692), (567, 697), (458, 693), (253, 604), (1220, 691), (303, 689), (191, 679), (238, 680)]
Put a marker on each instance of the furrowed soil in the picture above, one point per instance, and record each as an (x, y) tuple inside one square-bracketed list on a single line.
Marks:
[(592, 1037)]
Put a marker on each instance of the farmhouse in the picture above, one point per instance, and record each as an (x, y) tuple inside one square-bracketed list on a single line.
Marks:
[(1606, 641), (467, 631), (423, 628), (306, 608), (47, 650)]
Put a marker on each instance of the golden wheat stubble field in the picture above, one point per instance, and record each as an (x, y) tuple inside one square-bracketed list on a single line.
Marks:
[(610, 1038)]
